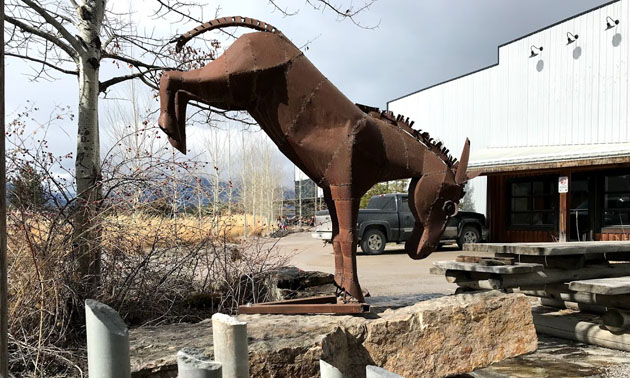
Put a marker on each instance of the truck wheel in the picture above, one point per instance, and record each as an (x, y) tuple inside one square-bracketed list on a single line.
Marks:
[(373, 242), (469, 234)]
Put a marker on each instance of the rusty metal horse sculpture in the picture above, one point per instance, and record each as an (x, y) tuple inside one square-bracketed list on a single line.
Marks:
[(345, 148)]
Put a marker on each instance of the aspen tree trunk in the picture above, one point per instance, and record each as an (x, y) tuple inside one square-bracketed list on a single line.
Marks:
[(87, 162), (229, 170), (244, 184)]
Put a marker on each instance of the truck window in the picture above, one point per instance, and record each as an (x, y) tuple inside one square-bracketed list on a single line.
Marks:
[(404, 205), (382, 203)]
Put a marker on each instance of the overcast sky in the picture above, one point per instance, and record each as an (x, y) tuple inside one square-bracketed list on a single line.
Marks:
[(417, 43)]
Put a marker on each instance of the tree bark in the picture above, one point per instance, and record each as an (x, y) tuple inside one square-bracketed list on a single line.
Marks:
[(87, 164)]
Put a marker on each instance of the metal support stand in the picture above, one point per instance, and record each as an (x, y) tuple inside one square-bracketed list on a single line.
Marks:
[(312, 305)]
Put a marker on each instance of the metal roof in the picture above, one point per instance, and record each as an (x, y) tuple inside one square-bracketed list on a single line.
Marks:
[(495, 160)]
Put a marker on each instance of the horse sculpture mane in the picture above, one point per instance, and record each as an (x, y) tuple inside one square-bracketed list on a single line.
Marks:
[(345, 148), (407, 125)]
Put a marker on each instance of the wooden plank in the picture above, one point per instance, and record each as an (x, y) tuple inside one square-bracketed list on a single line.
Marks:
[(559, 262), (501, 269), (457, 276), (486, 260), (606, 286), (551, 249), (561, 292), (558, 303), (556, 276), (579, 327)]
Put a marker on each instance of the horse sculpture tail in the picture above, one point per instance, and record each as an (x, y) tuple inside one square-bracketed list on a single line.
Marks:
[(222, 23)]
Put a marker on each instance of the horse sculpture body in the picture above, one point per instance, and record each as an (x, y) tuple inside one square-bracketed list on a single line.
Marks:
[(343, 147)]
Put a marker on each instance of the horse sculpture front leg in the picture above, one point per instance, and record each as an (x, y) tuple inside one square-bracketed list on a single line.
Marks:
[(346, 207), (207, 85)]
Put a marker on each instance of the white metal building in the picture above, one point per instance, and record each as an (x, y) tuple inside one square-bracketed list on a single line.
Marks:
[(556, 103)]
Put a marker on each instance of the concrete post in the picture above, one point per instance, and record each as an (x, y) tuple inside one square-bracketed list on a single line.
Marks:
[(326, 370), (230, 345), (191, 363), (107, 342), (377, 372)]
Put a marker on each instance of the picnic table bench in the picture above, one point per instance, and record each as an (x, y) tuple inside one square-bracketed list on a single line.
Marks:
[(591, 277)]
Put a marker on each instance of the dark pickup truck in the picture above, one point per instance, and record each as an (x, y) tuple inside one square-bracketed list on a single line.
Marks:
[(388, 219)]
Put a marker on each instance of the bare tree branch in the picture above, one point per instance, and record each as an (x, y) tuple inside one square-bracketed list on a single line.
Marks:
[(175, 8), (44, 62), (47, 36), (285, 10), (103, 86), (134, 62), (56, 24), (349, 13)]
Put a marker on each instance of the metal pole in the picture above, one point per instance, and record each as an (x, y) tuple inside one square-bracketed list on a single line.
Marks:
[(4, 282)]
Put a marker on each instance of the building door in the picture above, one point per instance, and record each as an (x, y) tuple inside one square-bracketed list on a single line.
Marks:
[(580, 213)]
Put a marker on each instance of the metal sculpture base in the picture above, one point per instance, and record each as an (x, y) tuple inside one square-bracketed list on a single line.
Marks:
[(329, 304)]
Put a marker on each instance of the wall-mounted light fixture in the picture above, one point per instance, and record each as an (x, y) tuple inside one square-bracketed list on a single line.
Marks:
[(571, 38), (535, 50), (611, 23)]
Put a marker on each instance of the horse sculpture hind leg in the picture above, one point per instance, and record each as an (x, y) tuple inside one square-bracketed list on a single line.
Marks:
[(346, 208), (332, 211)]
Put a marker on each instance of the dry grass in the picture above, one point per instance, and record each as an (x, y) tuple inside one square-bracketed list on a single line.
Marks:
[(185, 229), (154, 269), (148, 230)]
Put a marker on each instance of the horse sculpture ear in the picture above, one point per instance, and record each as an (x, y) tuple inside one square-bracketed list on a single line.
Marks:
[(460, 176)]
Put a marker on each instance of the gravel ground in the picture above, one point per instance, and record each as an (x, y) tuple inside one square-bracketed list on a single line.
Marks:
[(620, 371)]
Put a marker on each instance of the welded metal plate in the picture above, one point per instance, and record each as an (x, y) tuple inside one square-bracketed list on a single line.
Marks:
[(311, 305)]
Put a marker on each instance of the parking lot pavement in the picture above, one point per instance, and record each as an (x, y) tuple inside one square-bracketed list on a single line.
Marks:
[(392, 273)]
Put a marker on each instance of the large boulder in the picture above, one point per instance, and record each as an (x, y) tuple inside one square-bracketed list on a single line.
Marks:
[(434, 338)]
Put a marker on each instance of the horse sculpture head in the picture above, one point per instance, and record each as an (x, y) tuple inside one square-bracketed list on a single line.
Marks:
[(433, 199)]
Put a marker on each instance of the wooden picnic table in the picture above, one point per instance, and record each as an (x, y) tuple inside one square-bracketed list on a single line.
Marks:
[(551, 249), (585, 276)]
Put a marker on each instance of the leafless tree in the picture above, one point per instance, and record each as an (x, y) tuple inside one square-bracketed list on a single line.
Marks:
[(74, 37)]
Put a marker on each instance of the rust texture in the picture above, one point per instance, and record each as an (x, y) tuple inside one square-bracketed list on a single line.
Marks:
[(312, 305), (345, 148)]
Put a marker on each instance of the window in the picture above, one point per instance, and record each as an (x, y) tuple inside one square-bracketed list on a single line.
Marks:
[(382, 202), (404, 205), (617, 200), (532, 203)]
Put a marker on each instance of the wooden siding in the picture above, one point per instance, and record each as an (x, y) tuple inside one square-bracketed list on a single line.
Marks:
[(612, 236)]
